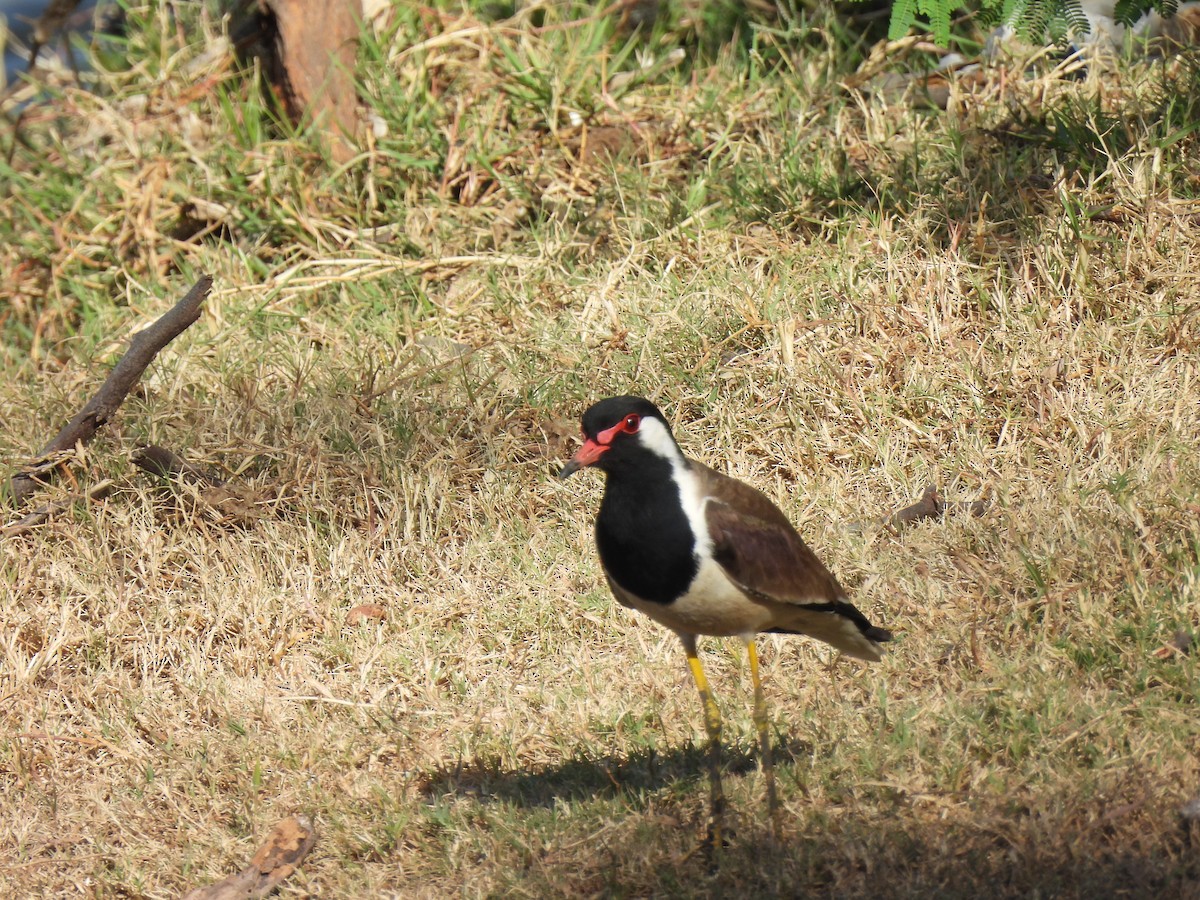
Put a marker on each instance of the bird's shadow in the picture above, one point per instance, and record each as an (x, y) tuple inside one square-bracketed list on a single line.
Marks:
[(587, 775)]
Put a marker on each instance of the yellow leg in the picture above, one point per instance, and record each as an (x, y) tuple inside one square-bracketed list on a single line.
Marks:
[(712, 724), (764, 737)]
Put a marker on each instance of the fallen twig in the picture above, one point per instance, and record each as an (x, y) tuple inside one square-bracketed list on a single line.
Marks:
[(143, 347), (31, 520)]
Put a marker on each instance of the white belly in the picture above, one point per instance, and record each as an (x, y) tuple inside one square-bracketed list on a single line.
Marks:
[(712, 606)]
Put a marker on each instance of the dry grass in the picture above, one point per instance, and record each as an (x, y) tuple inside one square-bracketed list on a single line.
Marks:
[(838, 299)]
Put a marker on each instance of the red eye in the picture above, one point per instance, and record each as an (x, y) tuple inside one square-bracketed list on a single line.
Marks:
[(632, 423)]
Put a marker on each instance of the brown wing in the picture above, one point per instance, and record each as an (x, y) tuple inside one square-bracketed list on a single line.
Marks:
[(757, 546)]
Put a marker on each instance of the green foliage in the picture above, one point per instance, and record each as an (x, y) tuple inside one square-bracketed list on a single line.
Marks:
[(1129, 11), (1057, 19)]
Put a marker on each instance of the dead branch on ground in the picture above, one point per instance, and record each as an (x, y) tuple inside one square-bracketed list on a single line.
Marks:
[(31, 520), (143, 348)]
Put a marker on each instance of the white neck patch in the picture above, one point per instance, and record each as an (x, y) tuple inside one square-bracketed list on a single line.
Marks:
[(655, 437)]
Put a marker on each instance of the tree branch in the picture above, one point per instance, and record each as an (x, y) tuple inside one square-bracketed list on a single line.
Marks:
[(143, 347)]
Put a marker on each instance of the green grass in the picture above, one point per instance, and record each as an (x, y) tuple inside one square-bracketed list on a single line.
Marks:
[(837, 296)]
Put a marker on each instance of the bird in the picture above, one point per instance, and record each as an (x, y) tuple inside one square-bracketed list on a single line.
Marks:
[(705, 554)]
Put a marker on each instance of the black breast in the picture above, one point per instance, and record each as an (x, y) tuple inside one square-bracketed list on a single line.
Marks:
[(645, 540)]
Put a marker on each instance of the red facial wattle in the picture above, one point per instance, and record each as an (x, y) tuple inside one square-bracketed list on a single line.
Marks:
[(628, 425)]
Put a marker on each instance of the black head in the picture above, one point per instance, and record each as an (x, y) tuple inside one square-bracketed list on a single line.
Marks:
[(617, 430)]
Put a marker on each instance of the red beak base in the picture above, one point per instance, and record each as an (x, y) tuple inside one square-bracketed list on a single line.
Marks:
[(585, 456)]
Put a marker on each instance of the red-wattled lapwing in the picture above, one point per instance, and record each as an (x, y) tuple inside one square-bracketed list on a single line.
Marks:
[(703, 553)]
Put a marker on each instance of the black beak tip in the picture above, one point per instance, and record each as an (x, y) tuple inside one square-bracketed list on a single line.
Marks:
[(568, 470)]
